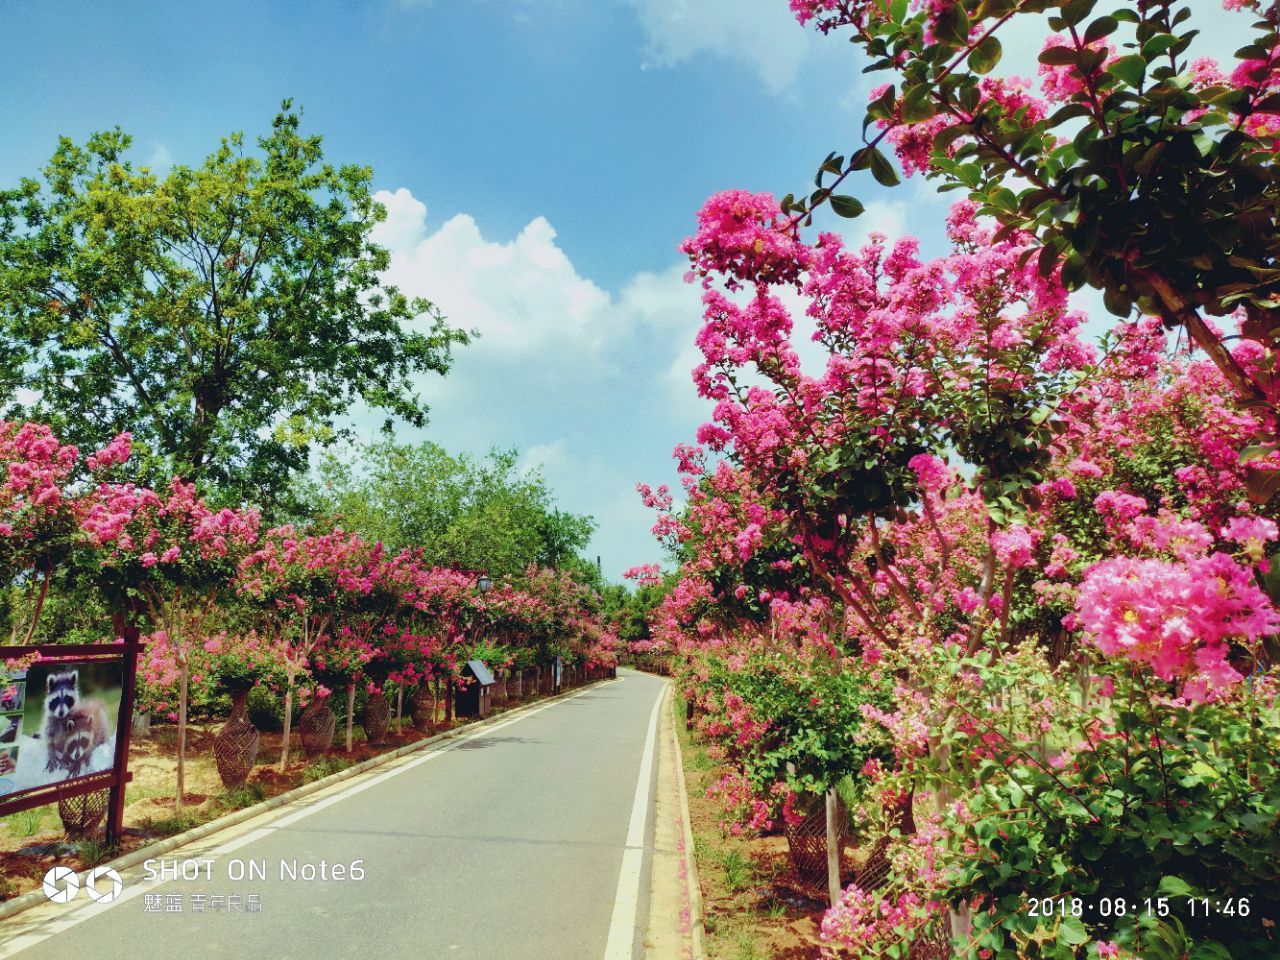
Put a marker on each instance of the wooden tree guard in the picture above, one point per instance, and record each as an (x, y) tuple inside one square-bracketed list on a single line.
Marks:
[(317, 726), (833, 846), (375, 718), (82, 815), (235, 748), (351, 713)]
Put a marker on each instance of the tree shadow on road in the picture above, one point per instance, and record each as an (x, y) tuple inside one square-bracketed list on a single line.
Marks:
[(481, 743)]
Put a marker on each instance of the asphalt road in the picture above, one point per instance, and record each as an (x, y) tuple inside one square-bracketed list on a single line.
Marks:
[(505, 846)]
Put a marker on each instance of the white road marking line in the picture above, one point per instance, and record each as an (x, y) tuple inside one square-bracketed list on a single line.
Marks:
[(622, 925), (57, 924)]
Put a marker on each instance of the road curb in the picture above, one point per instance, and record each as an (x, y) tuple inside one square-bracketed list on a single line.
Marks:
[(33, 898), (697, 935)]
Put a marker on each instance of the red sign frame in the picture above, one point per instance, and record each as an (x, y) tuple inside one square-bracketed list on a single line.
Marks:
[(118, 776)]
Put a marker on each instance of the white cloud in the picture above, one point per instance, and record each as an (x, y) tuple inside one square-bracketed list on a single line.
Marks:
[(888, 217), (564, 370), (545, 457), (160, 159), (761, 33), (522, 295)]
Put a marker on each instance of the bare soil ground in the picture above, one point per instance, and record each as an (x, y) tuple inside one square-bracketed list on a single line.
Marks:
[(755, 905)]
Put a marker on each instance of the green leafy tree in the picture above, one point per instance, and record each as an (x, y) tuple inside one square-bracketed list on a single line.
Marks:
[(227, 314), (470, 514)]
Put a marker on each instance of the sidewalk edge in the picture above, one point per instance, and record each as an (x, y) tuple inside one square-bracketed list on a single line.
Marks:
[(697, 934)]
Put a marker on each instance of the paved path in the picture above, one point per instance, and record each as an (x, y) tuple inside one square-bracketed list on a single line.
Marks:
[(507, 844)]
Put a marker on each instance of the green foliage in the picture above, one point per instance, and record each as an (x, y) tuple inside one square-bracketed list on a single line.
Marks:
[(325, 767), (73, 610), (94, 852), (738, 872), (1103, 800), (265, 709), (812, 718), (26, 823), (244, 796), (469, 514), (168, 826), (227, 314)]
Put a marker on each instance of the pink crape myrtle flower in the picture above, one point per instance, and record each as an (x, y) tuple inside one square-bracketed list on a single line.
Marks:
[(1177, 617), (117, 451), (931, 473), (646, 574), (745, 236)]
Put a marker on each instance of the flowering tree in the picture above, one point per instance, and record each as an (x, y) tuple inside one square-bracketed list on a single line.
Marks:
[(973, 353), (1011, 529), (39, 507), (173, 556), (370, 598), (1140, 168), (296, 582)]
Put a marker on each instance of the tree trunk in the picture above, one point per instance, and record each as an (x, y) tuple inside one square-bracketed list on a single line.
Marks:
[(448, 700), (288, 724), (1176, 309), (183, 670), (39, 606), (833, 849), (399, 709), (351, 711)]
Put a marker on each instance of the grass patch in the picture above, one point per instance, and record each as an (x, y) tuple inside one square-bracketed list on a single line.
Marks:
[(748, 949), (170, 825), (138, 791), (26, 823), (244, 796), (94, 852), (738, 872), (322, 768), (700, 760)]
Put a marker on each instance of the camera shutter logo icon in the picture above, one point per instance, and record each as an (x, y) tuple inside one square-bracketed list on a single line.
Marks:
[(104, 884), (61, 884)]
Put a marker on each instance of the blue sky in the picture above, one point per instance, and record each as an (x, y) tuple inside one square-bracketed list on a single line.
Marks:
[(540, 159)]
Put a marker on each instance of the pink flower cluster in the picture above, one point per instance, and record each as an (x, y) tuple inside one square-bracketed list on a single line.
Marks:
[(746, 237), (1182, 618), (117, 451), (864, 924), (645, 574)]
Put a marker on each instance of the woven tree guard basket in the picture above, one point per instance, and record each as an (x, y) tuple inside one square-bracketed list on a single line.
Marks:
[(375, 718), (317, 726), (82, 815), (932, 946), (235, 748), (807, 844), (422, 707)]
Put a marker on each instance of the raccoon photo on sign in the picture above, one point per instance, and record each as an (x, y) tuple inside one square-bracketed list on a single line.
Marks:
[(68, 726)]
